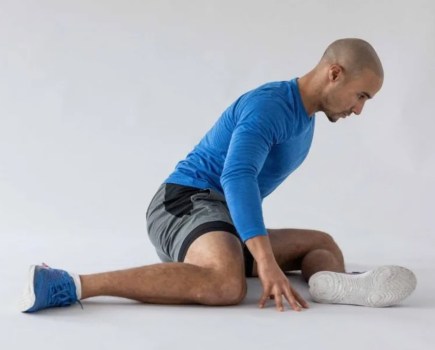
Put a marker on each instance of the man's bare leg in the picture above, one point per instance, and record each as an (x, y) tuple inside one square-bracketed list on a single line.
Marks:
[(212, 274), (310, 251)]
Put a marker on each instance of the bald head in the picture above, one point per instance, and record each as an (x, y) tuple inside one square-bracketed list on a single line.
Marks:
[(354, 55)]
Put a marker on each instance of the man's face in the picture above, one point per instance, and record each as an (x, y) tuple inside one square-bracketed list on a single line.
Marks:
[(346, 95)]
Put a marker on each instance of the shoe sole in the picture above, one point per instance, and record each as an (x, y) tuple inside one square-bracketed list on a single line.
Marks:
[(28, 297), (381, 287)]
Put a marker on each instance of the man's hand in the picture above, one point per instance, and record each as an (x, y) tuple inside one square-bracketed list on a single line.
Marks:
[(275, 285)]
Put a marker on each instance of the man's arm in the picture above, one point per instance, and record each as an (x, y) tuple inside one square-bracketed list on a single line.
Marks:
[(258, 129)]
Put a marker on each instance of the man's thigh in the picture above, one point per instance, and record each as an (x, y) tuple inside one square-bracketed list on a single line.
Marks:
[(290, 246), (219, 250), (188, 224)]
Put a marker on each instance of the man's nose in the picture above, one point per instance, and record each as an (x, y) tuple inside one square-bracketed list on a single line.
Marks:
[(357, 109)]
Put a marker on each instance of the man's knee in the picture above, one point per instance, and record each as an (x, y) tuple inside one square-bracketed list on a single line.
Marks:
[(234, 292), (324, 239), (327, 242), (223, 291)]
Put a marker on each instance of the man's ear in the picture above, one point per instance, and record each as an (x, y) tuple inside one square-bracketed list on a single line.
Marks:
[(335, 72)]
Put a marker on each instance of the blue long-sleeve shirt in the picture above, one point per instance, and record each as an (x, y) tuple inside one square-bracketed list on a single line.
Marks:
[(256, 143)]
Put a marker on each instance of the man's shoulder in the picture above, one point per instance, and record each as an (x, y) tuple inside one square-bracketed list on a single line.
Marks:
[(273, 87), (274, 96), (271, 93)]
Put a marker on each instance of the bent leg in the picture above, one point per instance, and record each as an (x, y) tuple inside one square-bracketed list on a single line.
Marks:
[(212, 274), (310, 251)]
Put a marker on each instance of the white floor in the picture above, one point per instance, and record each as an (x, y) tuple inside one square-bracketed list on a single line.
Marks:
[(111, 323)]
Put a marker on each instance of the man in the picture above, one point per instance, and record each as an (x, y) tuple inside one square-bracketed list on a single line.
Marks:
[(206, 220)]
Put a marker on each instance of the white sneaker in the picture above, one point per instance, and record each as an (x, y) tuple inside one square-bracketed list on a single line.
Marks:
[(383, 286)]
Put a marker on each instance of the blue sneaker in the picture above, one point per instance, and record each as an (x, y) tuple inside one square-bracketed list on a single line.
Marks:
[(48, 287)]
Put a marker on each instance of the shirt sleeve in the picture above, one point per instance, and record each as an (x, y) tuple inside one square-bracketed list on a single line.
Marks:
[(260, 126)]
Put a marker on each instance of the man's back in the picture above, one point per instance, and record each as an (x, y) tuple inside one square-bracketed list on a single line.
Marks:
[(257, 142)]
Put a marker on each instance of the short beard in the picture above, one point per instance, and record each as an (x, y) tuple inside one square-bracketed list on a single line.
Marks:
[(331, 120), (327, 112), (329, 115)]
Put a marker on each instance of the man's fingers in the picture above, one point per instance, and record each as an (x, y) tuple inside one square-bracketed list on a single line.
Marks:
[(275, 290), (278, 301), (295, 301), (300, 300), (262, 301), (292, 301), (264, 298)]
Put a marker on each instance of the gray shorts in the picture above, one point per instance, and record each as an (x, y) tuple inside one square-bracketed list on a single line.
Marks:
[(177, 215)]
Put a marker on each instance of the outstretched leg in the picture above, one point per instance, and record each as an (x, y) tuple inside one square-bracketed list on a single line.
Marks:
[(211, 274)]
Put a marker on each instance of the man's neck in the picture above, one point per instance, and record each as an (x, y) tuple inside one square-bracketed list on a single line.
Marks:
[(309, 90)]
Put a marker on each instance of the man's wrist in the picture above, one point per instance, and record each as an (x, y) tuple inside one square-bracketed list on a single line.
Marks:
[(261, 249)]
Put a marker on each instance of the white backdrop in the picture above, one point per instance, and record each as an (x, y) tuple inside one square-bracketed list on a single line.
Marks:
[(100, 99)]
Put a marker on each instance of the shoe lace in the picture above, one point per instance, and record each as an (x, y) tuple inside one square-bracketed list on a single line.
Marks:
[(63, 294)]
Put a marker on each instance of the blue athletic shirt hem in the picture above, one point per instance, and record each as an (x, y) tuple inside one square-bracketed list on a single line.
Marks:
[(252, 234)]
